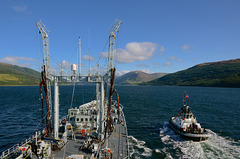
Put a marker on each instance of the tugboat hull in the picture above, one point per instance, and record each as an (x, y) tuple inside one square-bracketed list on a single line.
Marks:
[(190, 136)]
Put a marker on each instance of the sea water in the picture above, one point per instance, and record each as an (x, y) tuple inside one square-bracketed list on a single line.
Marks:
[(147, 110)]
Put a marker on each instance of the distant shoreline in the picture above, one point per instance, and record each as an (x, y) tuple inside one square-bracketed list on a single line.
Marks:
[(128, 85)]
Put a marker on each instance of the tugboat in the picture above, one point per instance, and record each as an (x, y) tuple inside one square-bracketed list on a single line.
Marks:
[(186, 125)]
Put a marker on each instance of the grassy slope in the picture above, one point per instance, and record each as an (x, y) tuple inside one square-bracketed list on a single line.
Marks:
[(15, 75), (218, 74)]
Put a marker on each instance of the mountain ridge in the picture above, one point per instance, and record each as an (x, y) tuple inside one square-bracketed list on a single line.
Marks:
[(212, 74), (137, 77)]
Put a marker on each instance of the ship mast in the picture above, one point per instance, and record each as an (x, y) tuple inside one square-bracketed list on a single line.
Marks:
[(79, 56)]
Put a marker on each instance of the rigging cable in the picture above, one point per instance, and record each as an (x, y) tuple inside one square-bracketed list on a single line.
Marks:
[(101, 54), (73, 93)]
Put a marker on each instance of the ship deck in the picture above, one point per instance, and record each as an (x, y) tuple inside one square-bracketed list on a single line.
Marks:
[(118, 141), (72, 147)]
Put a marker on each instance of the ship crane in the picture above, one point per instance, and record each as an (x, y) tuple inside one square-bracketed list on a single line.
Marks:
[(46, 77), (113, 30), (111, 73), (44, 32)]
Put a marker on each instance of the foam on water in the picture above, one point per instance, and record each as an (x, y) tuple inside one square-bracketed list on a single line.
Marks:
[(138, 148), (215, 147)]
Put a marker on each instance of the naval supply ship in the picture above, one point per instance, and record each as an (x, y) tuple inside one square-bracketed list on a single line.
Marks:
[(94, 130)]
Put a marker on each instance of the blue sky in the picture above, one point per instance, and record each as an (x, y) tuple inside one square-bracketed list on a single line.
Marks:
[(156, 35)]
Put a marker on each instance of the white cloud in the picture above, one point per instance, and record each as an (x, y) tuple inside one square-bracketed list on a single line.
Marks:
[(162, 48), (87, 57), (141, 65), (135, 51), (15, 60), (19, 8), (174, 58), (65, 65), (121, 72), (168, 64), (155, 63), (186, 48), (146, 70)]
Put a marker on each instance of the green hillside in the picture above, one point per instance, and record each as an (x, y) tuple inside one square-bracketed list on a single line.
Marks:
[(215, 74), (137, 77), (15, 75)]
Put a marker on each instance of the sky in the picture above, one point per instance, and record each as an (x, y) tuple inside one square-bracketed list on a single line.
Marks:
[(155, 35)]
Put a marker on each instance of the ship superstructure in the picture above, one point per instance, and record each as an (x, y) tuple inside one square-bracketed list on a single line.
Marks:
[(96, 129)]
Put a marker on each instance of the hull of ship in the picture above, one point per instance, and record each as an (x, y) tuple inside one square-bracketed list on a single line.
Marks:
[(189, 136)]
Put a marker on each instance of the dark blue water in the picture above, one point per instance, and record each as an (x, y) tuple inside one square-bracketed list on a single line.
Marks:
[(147, 110)]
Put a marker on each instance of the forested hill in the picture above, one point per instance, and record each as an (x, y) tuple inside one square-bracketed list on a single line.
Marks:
[(215, 74), (15, 75)]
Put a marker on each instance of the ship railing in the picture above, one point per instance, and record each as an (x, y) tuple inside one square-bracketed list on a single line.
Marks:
[(126, 137), (62, 118), (98, 151), (15, 148)]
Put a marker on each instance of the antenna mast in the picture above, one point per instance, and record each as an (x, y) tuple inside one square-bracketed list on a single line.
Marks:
[(79, 62)]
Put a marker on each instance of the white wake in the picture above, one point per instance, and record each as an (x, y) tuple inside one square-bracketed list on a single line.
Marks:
[(138, 148), (215, 147)]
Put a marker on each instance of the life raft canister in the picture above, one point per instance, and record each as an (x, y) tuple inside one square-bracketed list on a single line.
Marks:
[(83, 131)]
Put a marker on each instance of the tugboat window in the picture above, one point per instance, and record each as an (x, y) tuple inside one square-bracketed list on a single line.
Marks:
[(81, 119), (86, 119)]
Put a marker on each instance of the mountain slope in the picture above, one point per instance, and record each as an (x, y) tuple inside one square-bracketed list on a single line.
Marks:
[(217, 74), (15, 75), (137, 77)]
